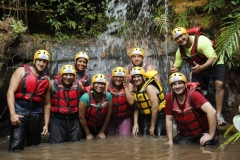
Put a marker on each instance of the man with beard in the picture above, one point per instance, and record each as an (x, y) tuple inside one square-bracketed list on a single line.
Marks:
[(195, 117)]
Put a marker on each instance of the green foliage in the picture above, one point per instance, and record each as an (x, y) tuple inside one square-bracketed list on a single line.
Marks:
[(213, 5), (160, 20), (232, 139), (228, 41), (17, 27), (182, 20)]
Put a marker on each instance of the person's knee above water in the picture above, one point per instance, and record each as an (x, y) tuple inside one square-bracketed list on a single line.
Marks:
[(137, 60), (198, 51), (82, 73), (64, 93), (150, 100), (95, 108), (123, 100), (195, 117), (25, 98)]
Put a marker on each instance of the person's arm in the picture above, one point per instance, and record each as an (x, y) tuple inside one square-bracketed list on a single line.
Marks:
[(157, 77), (82, 111), (128, 91), (152, 92), (14, 82), (173, 69), (47, 108), (169, 128), (199, 68), (105, 123), (212, 122), (135, 120)]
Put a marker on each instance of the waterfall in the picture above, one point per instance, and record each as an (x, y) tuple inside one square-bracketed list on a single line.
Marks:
[(134, 33)]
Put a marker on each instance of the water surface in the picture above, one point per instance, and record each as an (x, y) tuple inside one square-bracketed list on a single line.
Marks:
[(121, 148)]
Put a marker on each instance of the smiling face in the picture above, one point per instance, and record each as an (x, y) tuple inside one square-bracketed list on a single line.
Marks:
[(40, 64), (81, 64), (137, 60), (118, 81), (182, 40), (68, 78), (137, 80), (178, 87), (99, 87)]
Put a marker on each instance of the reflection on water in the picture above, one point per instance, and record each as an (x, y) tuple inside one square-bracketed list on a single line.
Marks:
[(121, 148)]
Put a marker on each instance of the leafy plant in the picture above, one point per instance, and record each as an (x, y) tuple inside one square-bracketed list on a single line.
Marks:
[(228, 41), (213, 5), (17, 27)]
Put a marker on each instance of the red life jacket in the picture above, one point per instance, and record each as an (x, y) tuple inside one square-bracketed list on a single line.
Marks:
[(84, 78), (96, 114), (65, 100), (194, 56), (31, 88), (121, 109), (190, 121)]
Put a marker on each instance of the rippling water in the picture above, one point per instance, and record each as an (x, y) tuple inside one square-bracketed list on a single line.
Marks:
[(121, 148)]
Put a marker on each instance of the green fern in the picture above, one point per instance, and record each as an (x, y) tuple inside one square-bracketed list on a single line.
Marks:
[(182, 20), (228, 130), (233, 138), (161, 23), (228, 41), (213, 5)]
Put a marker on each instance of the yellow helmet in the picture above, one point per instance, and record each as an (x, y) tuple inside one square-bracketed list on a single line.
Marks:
[(137, 71), (81, 55), (41, 54), (99, 78), (178, 31), (137, 51), (177, 77), (67, 69), (119, 71)]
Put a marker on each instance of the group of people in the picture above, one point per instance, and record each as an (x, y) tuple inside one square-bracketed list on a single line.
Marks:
[(131, 100)]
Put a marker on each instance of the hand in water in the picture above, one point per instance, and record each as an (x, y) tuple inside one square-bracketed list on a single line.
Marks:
[(135, 129), (101, 135)]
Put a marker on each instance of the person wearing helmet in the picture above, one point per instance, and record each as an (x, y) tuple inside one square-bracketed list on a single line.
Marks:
[(25, 98), (95, 108), (63, 102), (150, 100), (194, 115), (198, 51), (123, 100), (81, 60), (137, 59)]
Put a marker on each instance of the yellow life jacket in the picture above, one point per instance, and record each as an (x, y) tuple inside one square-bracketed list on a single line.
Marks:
[(143, 101)]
